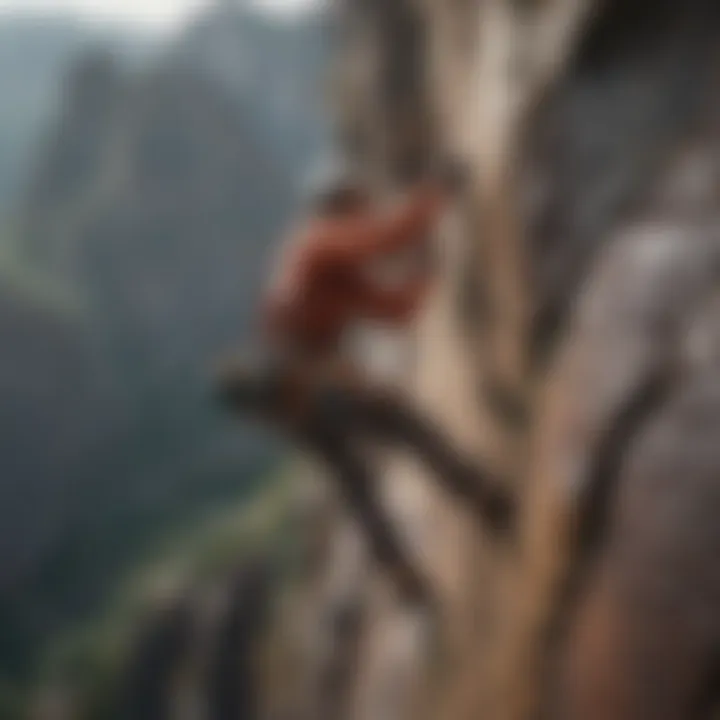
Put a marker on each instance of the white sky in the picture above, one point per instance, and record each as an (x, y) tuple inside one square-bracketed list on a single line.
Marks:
[(161, 14)]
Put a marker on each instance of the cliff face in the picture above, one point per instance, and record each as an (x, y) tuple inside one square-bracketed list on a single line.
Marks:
[(569, 117)]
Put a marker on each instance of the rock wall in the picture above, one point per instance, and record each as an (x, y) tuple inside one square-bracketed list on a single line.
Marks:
[(569, 114)]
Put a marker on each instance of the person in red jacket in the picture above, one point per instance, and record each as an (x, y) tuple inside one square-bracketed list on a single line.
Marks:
[(322, 285), (322, 288)]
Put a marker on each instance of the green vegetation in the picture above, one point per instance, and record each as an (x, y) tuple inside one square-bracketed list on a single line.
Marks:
[(89, 657)]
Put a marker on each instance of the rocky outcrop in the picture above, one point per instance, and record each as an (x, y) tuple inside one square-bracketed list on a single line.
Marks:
[(199, 650)]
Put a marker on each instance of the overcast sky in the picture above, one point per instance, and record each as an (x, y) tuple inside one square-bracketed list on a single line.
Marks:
[(161, 14)]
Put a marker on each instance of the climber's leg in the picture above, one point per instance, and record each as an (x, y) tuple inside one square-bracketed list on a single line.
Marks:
[(309, 401), (386, 415), (318, 419), (357, 486)]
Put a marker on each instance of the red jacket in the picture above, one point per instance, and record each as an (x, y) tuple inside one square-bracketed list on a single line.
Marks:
[(322, 285)]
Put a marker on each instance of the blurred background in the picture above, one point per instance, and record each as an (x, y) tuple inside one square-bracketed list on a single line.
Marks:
[(150, 153)]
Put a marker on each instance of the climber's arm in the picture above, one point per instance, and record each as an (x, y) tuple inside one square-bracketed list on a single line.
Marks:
[(350, 241)]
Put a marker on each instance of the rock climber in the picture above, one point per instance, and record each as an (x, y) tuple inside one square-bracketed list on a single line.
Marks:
[(306, 383)]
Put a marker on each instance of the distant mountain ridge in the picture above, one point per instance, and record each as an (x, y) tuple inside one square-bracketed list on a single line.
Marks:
[(156, 196), (274, 68), (35, 53)]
